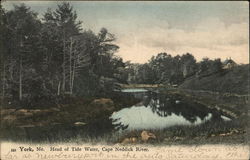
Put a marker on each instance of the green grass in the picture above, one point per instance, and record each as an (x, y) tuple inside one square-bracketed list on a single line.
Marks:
[(234, 80), (231, 105)]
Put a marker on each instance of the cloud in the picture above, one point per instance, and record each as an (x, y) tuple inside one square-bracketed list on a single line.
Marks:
[(9, 4), (210, 38), (216, 30)]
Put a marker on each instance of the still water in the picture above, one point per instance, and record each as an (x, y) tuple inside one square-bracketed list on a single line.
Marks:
[(158, 111), (154, 111)]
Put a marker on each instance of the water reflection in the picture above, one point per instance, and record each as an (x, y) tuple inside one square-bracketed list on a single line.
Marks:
[(157, 111), (134, 90)]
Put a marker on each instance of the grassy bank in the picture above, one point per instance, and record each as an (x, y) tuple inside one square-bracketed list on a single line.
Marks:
[(92, 110), (64, 120), (233, 80), (232, 105), (221, 132), (207, 133)]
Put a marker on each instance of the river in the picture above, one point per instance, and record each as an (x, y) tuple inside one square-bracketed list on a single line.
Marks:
[(158, 111), (154, 111)]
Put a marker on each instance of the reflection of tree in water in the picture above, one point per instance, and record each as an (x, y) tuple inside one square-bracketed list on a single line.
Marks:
[(119, 125), (164, 106)]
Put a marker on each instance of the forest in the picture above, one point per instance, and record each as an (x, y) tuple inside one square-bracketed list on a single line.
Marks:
[(48, 57), (54, 56)]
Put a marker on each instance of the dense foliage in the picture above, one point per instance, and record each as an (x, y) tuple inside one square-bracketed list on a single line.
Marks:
[(53, 56), (165, 69)]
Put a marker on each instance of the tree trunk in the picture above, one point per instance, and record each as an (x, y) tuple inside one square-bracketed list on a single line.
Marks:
[(10, 70), (73, 77), (70, 67), (3, 94), (64, 59), (58, 88), (20, 79)]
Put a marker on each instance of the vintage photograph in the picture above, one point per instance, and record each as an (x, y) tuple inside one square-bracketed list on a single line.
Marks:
[(124, 72)]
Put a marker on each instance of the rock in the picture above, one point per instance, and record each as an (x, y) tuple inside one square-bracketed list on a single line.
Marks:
[(178, 138), (230, 133), (145, 136), (79, 123), (129, 140), (222, 134), (21, 112), (125, 141), (235, 131)]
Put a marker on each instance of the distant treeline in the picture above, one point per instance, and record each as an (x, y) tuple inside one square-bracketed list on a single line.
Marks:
[(165, 69)]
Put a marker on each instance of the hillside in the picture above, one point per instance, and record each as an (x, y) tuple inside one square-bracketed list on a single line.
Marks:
[(234, 80)]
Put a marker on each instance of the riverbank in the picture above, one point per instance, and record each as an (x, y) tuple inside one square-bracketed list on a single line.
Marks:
[(75, 116), (221, 132), (71, 114), (230, 132), (233, 80), (231, 105)]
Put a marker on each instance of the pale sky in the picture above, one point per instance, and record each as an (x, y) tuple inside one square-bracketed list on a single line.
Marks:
[(143, 29)]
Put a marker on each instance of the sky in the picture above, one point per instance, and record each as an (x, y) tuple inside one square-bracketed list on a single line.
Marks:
[(143, 29)]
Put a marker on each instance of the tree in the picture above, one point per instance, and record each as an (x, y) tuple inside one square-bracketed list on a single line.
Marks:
[(105, 49), (203, 65), (54, 56), (78, 58), (188, 64), (162, 66), (66, 21), (23, 28), (62, 27), (216, 65), (144, 74), (208, 66), (3, 49)]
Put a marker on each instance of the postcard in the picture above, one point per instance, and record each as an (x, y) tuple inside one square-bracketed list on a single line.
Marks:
[(114, 80)]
